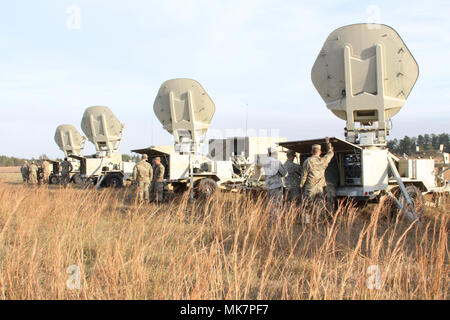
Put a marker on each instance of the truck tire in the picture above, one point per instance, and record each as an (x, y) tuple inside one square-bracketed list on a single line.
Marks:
[(114, 180), (205, 188)]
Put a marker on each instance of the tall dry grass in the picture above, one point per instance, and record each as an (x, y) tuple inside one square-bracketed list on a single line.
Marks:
[(225, 248)]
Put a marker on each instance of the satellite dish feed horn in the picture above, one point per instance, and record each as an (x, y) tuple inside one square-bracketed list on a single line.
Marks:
[(69, 140)]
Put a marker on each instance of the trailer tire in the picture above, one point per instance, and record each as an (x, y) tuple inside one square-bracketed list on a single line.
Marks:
[(114, 180), (205, 188), (179, 187), (54, 179), (77, 179)]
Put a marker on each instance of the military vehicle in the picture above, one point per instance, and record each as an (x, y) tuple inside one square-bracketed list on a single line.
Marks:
[(365, 73), (72, 143), (105, 168), (185, 110)]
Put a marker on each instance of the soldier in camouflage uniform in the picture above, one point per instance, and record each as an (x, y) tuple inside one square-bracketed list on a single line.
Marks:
[(157, 186), (313, 171), (33, 174), (143, 174), (45, 171), (274, 171), (292, 181), (25, 170), (66, 168)]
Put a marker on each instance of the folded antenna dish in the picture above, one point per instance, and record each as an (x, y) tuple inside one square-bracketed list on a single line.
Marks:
[(102, 128), (69, 140), (365, 73), (185, 110)]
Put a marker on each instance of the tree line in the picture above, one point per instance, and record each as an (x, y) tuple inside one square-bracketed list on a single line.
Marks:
[(6, 161), (420, 144)]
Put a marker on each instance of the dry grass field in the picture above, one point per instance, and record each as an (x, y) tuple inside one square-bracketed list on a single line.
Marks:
[(225, 248)]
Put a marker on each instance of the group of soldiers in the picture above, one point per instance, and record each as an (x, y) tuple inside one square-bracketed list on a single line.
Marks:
[(306, 181), (149, 179), (33, 174)]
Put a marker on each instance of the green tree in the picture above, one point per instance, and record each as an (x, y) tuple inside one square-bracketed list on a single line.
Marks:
[(393, 145), (420, 142)]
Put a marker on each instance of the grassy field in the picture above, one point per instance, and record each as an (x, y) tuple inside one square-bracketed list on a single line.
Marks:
[(52, 240)]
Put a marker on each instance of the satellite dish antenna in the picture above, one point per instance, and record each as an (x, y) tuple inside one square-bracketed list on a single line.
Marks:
[(365, 73), (185, 110), (69, 140), (103, 129)]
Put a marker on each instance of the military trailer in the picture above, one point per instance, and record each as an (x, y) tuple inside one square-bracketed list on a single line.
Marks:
[(365, 73), (105, 168), (185, 110), (209, 175)]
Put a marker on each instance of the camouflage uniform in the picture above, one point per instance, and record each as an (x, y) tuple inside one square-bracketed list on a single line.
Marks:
[(274, 171), (33, 174), (25, 170), (45, 171), (143, 174), (157, 186), (292, 181), (66, 168), (313, 174)]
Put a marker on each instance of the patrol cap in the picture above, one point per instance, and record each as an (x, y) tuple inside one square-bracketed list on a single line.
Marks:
[(291, 152), (157, 159), (316, 146), (144, 156)]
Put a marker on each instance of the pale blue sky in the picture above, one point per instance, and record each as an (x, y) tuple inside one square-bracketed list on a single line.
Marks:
[(255, 52)]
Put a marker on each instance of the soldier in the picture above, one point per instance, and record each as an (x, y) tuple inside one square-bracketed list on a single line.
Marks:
[(143, 174), (25, 170), (45, 171), (33, 174), (157, 186), (313, 171), (292, 181), (66, 168), (274, 171)]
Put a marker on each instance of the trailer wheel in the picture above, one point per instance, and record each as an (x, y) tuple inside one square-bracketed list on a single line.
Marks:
[(179, 187), (77, 179), (205, 188), (114, 181), (417, 198), (54, 179)]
